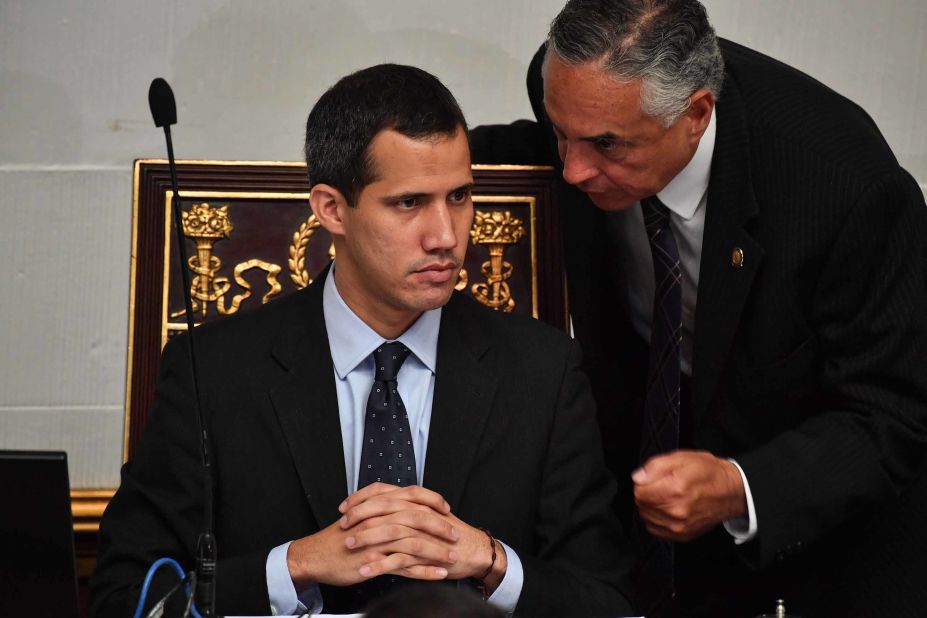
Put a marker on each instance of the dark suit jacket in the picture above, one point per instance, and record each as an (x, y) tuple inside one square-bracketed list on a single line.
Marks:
[(513, 447), (810, 361)]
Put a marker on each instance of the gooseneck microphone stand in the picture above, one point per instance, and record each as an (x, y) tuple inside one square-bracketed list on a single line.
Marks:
[(164, 111)]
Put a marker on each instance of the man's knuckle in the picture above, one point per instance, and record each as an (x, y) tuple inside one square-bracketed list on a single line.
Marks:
[(678, 487)]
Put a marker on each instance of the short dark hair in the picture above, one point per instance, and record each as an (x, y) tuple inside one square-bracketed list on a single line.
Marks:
[(344, 121), (668, 44)]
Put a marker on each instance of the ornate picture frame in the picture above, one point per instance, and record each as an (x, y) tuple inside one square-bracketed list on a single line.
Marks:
[(251, 237)]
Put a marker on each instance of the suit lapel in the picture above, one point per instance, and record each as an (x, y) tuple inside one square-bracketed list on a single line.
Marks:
[(723, 287), (464, 390), (307, 406)]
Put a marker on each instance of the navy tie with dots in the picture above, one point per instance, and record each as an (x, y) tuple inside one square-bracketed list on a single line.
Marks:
[(660, 423), (387, 455)]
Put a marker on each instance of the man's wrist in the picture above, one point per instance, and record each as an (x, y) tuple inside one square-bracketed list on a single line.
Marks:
[(496, 563), (505, 596), (299, 570), (738, 497), (499, 567)]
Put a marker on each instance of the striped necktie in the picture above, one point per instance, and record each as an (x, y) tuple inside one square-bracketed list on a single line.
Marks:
[(660, 423)]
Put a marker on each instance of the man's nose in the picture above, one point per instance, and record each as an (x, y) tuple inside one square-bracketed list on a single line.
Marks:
[(577, 167), (440, 233)]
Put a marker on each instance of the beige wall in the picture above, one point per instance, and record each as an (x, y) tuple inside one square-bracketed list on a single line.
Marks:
[(73, 115)]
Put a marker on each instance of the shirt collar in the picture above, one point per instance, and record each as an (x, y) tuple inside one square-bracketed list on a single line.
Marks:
[(351, 340), (685, 191)]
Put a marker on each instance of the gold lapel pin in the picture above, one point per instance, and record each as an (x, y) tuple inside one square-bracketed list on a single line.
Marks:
[(737, 257)]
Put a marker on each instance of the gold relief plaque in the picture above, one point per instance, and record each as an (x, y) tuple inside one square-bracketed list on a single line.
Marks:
[(206, 225), (239, 243), (235, 234), (495, 229)]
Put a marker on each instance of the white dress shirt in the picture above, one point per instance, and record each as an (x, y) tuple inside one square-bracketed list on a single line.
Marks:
[(686, 197), (352, 343)]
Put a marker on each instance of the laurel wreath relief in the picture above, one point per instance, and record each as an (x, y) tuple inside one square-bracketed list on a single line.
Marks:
[(297, 261)]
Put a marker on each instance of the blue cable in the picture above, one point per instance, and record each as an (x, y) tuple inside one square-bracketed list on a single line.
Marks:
[(150, 575)]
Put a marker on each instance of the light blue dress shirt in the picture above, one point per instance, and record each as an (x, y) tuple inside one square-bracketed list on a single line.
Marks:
[(352, 342)]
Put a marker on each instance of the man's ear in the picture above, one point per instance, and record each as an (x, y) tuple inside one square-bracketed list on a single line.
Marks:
[(701, 103), (328, 204)]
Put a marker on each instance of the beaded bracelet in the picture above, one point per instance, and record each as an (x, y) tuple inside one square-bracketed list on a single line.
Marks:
[(481, 581)]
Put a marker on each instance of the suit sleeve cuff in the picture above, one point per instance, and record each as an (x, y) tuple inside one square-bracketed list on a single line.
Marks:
[(284, 600), (505, 597), (743, 529)]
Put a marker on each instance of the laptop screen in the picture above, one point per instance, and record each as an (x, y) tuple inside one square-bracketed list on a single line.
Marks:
[(37, 570)]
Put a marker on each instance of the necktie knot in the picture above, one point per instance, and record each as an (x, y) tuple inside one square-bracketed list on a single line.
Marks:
[(388, 358), (656, 215)]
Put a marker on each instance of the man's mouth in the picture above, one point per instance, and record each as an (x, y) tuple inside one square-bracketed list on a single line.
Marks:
[(594, 188), (437, 272)]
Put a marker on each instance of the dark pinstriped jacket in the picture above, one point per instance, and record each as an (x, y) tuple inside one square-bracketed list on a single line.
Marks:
[(512, 421), (810, 361)]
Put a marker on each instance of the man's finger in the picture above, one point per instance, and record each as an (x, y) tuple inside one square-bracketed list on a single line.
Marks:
[(401, 525), (656, 468), (425, 497), (378, 507), (412, 493), (399, 564), (660, 492), (430, 573), (425, 572), (663, 533), (359, 496), (654, 516), (424, 550)]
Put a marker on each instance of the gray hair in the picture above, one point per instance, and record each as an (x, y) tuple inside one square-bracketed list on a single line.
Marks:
[(667, 44)]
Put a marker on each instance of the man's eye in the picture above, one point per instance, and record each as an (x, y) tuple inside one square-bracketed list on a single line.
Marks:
[(458, 197), (606, 145), (409, 202)]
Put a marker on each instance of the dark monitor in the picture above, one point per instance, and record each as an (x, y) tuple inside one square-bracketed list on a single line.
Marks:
[(37, 570)]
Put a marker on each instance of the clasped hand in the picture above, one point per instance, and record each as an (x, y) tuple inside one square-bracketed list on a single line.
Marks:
[(384, 529), (682, 494)]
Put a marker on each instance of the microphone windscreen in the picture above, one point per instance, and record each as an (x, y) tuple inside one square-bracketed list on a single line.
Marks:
[(161, 102)]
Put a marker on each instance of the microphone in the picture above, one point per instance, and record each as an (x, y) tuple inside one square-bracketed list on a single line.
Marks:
[(161, 102), (164, 112)]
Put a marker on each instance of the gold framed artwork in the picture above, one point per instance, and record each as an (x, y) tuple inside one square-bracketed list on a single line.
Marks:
[(251, 237)]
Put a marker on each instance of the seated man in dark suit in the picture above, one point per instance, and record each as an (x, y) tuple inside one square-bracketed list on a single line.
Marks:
[(376, 423)]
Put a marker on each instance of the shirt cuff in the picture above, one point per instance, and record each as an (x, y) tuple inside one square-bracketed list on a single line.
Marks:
[(743, 529), (284, 600), (505, 597)]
